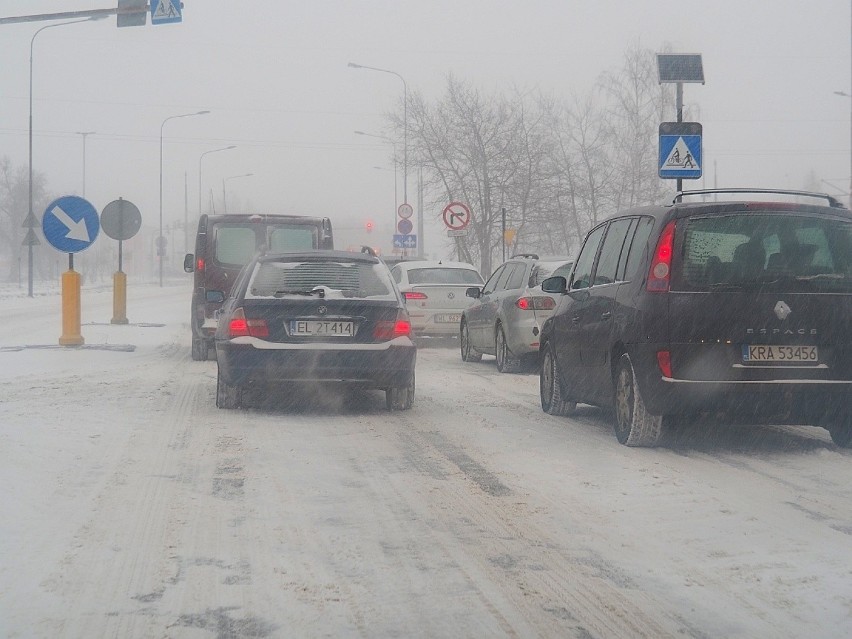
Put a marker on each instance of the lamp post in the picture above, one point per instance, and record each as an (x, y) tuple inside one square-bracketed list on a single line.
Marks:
[(160, 248), (224, 195), (225, 148), (847, 95), (404, 124), (84, 134), (31, 221), (395, 167)]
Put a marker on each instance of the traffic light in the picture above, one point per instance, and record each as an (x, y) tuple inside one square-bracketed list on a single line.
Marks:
[(368, 225)]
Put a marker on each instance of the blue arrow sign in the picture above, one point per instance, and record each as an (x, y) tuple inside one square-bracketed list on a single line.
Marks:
[(405, 241), (70, 224), (165, 11)]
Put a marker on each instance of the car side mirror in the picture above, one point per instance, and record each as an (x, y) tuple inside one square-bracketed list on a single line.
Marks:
[(189, 262), (556, 284), (474, 291), (215, 297)]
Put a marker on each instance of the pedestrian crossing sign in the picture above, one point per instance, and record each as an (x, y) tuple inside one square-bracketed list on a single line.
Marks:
[(165, 11), (680, 150)]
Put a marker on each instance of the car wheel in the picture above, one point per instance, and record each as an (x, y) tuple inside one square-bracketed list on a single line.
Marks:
[(634, 425), (550, 387), (841, 432), (402, 397), (506, 362), (199, 349), (467, 352), (227, 395)]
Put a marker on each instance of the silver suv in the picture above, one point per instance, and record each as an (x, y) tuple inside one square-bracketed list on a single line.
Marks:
[(506, 316)]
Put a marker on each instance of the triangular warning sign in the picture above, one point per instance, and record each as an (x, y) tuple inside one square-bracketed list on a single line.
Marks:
[(165, 10), (680, 157), (31, 239)]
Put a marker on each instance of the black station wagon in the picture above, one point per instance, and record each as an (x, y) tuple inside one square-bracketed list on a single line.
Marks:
[(736, 308)]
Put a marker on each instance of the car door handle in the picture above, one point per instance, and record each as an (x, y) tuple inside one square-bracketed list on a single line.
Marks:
[(606, 316)]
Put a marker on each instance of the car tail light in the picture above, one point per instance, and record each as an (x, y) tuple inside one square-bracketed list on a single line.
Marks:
[(664, 361), (387, 330), (200, 265), (240, 326), (659, 275), (415, 295), (538, 303)]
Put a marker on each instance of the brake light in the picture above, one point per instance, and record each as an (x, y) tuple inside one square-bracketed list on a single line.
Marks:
[(240, 326), (200, 264), (415, 295), (387, 330), (659, 275), (664, 361), (538, 303)]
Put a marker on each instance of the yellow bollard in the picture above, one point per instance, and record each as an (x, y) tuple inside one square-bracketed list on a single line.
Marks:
[(70, 309), (119, 298)]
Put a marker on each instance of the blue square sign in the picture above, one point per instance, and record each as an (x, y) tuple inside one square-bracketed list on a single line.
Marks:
[(680, 150), (165, 11)]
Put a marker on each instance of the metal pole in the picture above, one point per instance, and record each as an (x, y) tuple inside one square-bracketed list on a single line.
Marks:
[(404, 124), (503, 216), (200, 198), (30, 198), (160, 250), (679, 119), (84, 134)]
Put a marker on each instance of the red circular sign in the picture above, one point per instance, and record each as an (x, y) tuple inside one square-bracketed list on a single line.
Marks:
[(456, 216)]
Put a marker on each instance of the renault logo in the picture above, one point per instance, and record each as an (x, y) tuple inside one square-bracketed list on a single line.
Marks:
[(782, 311), (322, 310)]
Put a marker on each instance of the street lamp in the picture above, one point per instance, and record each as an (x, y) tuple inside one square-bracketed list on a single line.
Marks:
[(846, 95), (224, 196), (395, 165), (224, 148), (404, 124), (31, 220), (160, 248), (84, 134)]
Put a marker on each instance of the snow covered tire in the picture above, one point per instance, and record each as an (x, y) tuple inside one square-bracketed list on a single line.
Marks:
[(228, 396), (400, 397), (467, 352), (634, 425), (550, 387)]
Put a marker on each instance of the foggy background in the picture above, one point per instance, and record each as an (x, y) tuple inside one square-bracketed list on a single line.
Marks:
[(274, 76)]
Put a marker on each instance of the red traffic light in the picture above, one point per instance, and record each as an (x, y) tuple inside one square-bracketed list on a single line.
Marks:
[(369, 226)]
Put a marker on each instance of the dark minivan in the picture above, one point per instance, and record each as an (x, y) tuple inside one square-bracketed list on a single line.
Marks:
[(737, 308), (224, 244)]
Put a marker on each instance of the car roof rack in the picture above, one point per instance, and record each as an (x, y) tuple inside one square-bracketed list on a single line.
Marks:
[(832, 201), (526, 256)]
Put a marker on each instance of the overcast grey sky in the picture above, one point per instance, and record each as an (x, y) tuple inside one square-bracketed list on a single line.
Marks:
[(274, 75)]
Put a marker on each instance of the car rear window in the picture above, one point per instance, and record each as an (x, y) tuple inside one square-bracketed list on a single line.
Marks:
[(770, 251), (236, 244), (337, 278), (444, 276), (543, 270)]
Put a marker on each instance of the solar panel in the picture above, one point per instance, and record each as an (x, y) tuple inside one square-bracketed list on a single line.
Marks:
[(680, 67)]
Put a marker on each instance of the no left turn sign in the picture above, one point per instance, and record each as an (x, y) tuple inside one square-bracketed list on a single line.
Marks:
[(456, 216)]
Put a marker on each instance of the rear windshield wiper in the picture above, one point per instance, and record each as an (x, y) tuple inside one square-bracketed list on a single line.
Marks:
[(300, 291), (821, 276)]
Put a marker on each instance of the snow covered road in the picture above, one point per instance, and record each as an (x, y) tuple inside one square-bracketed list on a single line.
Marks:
[(133, 507)]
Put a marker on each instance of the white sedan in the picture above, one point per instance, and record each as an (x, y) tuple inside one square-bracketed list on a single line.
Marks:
[(435, 294)]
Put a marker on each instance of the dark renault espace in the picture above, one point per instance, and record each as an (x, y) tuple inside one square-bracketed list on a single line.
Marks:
[(740, 308)]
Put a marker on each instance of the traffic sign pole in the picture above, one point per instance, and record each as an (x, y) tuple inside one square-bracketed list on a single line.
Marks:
[(70, 224), (71, 306), (120, 220)]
